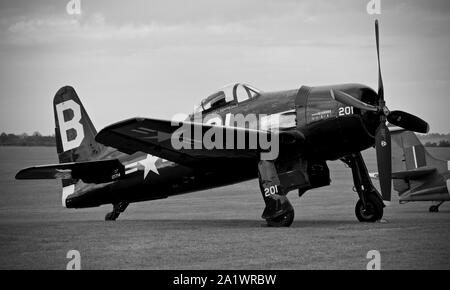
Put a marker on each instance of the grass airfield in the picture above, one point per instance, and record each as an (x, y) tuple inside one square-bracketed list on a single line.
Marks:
[(214, 229)]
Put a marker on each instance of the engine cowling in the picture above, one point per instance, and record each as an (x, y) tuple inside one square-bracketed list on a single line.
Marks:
[(333, 138)]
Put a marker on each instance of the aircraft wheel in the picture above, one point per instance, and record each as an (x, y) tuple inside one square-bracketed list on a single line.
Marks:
[(111, 216), (284, 220), (434, 208), (372, 212)]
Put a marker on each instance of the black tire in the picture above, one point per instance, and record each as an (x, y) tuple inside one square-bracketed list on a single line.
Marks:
[(434, 208), (284, 220), (374, 210)]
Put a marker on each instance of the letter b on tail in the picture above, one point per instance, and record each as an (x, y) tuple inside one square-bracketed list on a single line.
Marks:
[(69, 120)]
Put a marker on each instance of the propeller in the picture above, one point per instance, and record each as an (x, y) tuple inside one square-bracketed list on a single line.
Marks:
[(382, 134), (397, 118)]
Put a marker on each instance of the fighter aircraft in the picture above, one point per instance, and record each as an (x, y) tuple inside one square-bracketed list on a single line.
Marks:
[(417, 175), (140, 159)]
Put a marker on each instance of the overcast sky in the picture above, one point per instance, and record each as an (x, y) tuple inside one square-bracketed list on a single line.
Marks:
[(158, 58)]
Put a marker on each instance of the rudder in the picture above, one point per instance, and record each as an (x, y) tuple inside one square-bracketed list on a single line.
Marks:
[(74, 131), (409, 154)]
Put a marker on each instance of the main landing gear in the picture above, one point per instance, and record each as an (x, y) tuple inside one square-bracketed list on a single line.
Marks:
[(117, 209), (278, 211), (369, 207), (435, 207)]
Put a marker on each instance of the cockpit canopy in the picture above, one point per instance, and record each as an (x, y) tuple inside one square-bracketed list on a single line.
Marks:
[(228, 95)]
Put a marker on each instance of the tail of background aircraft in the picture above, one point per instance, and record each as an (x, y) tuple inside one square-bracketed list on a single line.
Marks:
[(74, 131), (412, 164)]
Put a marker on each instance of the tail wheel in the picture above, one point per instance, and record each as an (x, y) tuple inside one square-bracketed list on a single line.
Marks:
[(111, 216), (284, 220), (434, 208), (372, 212)]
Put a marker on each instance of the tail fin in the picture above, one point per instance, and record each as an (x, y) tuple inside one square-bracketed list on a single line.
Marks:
[(409, 155), (74, 131), (75, 134)]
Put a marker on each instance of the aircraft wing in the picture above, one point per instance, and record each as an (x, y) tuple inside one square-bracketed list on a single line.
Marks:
[(90, 172), (154, 137)]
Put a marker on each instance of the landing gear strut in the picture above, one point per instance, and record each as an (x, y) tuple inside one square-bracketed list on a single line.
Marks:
[(435, 207), (117, 209), (369, 207), (279, 211)]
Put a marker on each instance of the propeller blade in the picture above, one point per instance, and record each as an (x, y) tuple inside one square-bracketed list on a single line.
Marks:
[(383, 149), (408, 122), (349, 100), (380, 79)]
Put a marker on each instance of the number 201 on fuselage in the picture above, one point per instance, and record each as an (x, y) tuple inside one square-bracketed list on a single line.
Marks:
[(348, 110)]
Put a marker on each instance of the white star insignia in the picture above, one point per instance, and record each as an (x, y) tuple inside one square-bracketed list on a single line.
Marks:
[(149, 164)]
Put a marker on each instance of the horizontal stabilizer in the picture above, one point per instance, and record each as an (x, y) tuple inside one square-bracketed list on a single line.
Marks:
[(414, 173), (408, 174), (89, 172)]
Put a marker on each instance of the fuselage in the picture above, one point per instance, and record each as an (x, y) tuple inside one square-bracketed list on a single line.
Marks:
[(149, 178)]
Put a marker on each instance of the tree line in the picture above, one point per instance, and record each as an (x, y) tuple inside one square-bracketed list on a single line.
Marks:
[(36, 139), (442, 143)]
